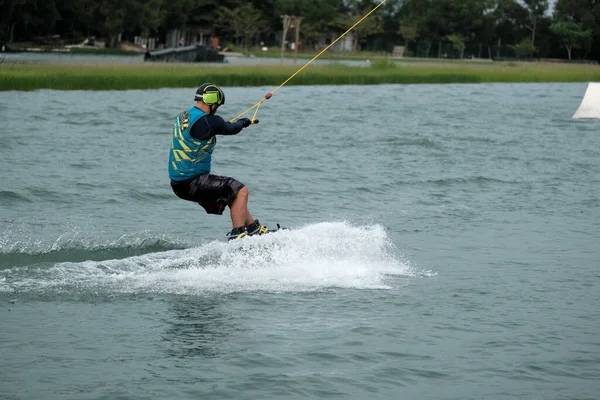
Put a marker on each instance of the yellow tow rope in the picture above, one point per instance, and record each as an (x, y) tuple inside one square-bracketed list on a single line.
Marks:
[(271, 93)]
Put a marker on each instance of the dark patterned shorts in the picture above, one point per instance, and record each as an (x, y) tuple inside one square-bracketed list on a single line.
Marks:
[(212, 192)]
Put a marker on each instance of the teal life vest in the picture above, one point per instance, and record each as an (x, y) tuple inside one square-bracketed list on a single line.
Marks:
[(189, 156)]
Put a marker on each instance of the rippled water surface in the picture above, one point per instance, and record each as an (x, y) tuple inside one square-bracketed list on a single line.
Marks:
[(443, 243)]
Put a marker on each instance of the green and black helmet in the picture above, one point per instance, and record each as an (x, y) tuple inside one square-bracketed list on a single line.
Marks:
[(210, 94)]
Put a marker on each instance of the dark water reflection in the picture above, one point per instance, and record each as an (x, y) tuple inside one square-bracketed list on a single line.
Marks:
[(197, 327)]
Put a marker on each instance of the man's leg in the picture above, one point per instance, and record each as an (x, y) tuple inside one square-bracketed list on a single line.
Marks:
[(240, 216), (241, 219)]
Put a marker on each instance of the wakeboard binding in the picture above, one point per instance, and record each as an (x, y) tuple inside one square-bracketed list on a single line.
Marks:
[(254, 228)]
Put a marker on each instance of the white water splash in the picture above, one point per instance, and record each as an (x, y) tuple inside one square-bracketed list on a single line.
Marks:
[(314, 257)]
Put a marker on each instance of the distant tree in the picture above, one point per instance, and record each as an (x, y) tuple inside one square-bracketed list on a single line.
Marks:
[(436, 19), (232, 22), (25, 19), (205, 12), (113, 14), (243, 22), (536, 9), (458, 44), (408, 31), (84, 15), (318, 17), (145, 16), (312, 32), (253, 23), (134, 16), (351, 15), (10, 16), (176, 13), (486, 22), (510, 20), (586, 13), (571, 34), (524, 49)]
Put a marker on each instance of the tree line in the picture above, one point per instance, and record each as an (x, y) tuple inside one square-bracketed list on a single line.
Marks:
[(571, 29)]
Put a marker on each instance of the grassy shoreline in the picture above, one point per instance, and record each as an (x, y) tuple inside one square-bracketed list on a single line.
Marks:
[(361, 56), (25, 77)]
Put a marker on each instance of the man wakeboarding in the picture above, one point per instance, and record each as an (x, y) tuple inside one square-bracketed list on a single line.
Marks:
[(194, 138)]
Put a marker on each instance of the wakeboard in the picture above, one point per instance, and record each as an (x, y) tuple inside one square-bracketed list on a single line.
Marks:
[(279, 228)]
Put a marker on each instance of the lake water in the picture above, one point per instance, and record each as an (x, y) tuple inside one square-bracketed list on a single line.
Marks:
[(443, 243)]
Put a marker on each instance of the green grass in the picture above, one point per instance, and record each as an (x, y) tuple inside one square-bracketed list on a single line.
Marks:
[(276, 53), (355, 56), (150, 76)]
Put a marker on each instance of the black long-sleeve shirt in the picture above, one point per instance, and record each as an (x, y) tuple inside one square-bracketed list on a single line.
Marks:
[(211, 125)]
